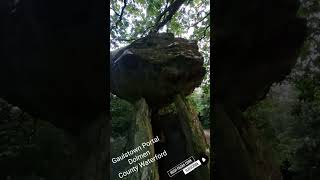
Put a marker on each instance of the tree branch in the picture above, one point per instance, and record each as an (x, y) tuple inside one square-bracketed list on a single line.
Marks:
[(121, 14), (146, 30), (167, 13), (204, 33), (201, 19), (127, 40), (167, 4), (115, 11)]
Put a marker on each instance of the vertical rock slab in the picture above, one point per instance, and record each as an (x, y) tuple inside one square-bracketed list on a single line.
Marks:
[(191, 126), (251, 157), (93, 151), (232, 152), (142, 132)]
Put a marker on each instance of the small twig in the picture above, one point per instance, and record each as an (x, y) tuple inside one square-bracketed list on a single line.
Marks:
[(121, 14), (201, 19), (204, 33), (146, 30), (115, 11), (167, 4), (203, 10)]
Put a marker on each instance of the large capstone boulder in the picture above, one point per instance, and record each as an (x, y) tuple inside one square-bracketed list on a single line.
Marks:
[(156, 67)]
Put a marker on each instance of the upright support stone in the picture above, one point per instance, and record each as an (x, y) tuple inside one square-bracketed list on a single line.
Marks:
[(231, 153), (191, 126), (142, 132), (238, 149), (93, 151)]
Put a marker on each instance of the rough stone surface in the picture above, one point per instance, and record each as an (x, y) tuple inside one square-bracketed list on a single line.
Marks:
[(25, 139), (141, 131), (194, 134), (156, 68)]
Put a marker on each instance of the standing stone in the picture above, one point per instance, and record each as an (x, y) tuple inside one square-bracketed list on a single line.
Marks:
[(192, 128), (141, 131)]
